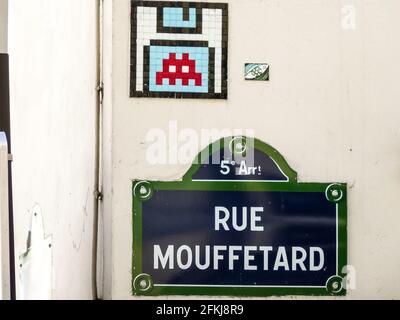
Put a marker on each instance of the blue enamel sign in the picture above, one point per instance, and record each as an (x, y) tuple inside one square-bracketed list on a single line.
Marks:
[(239, 226)]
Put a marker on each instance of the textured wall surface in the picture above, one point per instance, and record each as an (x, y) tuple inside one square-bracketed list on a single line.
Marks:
[(53, 60), (331, 108)]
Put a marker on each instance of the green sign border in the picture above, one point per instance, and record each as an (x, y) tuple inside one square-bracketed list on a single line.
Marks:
[(142, 284)]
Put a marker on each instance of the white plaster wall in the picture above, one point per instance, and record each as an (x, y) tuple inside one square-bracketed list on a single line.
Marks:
[(53, 60), (331, 108)]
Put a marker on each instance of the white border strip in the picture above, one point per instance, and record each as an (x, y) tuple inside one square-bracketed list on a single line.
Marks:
[(4, 227), (215, 180), (231, 286)]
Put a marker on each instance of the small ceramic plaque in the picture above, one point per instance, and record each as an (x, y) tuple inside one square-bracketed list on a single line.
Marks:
[(257, 71)]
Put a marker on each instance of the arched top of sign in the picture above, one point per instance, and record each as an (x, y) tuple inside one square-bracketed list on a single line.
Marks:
[(240, 159)]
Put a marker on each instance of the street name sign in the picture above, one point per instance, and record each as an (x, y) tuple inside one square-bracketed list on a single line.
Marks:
[(239, 224)]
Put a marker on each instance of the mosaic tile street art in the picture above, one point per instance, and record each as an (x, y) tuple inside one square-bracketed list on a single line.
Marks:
[(179, 49)]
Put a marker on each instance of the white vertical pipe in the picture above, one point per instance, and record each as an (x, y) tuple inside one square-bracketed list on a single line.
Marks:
[(4, 238), (6, 222)]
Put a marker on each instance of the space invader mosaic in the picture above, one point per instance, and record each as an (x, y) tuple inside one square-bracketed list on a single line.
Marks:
[(179, 49)]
